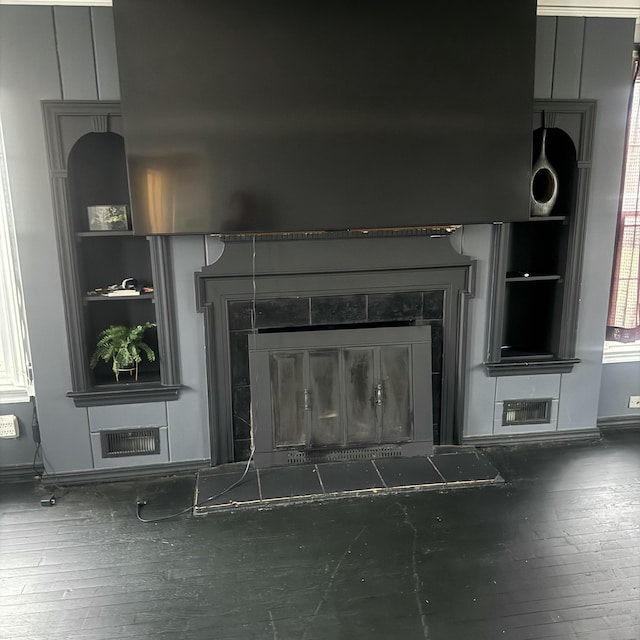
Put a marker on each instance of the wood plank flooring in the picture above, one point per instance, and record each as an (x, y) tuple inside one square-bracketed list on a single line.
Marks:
[(554, 553)]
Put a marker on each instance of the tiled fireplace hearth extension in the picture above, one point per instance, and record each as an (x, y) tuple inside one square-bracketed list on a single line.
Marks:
[(332, 284)]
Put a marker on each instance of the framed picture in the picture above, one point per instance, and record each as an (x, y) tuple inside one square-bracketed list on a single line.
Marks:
[(108, 217)]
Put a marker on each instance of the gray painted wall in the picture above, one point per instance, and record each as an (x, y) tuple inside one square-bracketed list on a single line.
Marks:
[(68, 53), (619, 381), (586, 59), (18, 452)]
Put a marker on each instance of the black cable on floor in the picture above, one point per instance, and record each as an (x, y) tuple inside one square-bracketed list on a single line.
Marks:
[(141, 503)]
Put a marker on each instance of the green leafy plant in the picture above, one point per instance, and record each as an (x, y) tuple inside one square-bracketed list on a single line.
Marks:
[(123, 347)]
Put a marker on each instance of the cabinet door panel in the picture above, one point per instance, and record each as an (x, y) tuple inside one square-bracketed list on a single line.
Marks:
[(359, 393), (395, 364), (288, 399), (324, 398)]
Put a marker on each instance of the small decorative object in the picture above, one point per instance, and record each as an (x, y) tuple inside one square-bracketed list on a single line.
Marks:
[(544, 182), (123, 347), (108, 217), (128, 287)]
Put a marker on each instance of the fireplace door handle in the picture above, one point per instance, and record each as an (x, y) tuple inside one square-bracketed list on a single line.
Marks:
[(378, 394), (307, 400)]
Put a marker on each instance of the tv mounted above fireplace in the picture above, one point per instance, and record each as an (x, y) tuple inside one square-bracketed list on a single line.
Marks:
[(281, 115)]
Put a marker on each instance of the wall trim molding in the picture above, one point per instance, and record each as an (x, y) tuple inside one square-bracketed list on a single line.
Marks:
[(596, 8), (590, 9), (619, 422), (17, 472), (532, 438), (125, 473)]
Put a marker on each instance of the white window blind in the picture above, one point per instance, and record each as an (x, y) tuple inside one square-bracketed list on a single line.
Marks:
[(15, 378)]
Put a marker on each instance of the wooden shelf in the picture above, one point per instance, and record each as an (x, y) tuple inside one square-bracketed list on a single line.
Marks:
[(510, 355), (533, 278), (103, 234), (142, 296)]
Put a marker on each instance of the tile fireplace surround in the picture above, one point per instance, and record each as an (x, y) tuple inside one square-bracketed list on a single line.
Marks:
[(330, 284)]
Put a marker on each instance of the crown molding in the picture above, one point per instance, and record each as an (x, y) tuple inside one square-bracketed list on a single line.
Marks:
[(590, 8)]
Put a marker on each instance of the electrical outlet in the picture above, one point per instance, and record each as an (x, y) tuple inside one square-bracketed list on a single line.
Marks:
[(634, 402), (9, 427)]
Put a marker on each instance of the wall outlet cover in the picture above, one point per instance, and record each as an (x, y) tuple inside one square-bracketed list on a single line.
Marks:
[(634, 402), (9, 427)]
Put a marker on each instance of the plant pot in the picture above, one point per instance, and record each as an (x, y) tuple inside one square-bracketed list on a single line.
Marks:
[(132, 371)]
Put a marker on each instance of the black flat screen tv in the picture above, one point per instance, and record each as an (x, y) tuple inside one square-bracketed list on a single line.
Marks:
[(305, 115)]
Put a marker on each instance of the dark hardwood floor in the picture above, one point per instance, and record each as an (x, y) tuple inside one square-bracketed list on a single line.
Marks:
[(554, 553)]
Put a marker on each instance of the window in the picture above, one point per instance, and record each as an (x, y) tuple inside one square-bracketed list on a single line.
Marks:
[(14, 363), (623, 322)]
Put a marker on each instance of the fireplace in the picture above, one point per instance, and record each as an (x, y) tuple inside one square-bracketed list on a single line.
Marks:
[(331, 307)]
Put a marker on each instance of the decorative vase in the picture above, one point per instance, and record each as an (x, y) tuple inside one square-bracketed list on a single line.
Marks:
[(544, 183)]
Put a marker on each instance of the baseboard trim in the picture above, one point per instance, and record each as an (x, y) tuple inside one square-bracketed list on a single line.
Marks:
[(533, 438), (618, 422), (17, 472), (118, 474)]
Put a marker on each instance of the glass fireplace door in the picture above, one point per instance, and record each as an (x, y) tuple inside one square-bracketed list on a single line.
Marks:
[(309, 396)]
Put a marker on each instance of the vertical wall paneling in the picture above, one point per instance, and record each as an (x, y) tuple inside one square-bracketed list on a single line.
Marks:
[(105, 53), (75, 51), (480, 389), (545, 55), (568, 58), (188, 416), (29, 74), (606, 77)]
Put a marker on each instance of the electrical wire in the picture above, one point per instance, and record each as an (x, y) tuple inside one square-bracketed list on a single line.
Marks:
[(39, 451), (200, 503), (36, 472), (142, 503)]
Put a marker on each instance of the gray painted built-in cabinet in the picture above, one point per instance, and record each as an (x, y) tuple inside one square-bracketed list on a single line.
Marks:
[(576, 58), (88, 168), (537, 264)]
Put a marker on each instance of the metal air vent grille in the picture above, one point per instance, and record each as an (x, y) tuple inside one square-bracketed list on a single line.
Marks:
[(130, 442), (340, 455), (517, 412)]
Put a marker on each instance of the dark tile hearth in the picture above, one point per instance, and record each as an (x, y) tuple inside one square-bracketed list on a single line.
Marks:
[(312, 482), (409, 472)]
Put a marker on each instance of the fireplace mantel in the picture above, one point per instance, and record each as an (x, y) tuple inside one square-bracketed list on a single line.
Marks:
[(262, 271)]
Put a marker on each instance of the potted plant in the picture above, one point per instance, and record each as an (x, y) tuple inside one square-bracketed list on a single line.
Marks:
[(123, 347)]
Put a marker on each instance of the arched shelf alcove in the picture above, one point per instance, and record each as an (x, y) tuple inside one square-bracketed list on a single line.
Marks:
[(97, 175), (88, 169), (536, 264)]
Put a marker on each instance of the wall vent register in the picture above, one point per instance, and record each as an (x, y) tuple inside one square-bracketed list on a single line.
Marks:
[(517, 412), (127, 442)]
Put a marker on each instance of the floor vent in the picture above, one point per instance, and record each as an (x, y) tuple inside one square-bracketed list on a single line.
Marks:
[(128, 442), (341, 455), (526, 412)]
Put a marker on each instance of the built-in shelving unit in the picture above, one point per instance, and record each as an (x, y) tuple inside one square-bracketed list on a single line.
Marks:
[(88, 168), (537, 263)]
